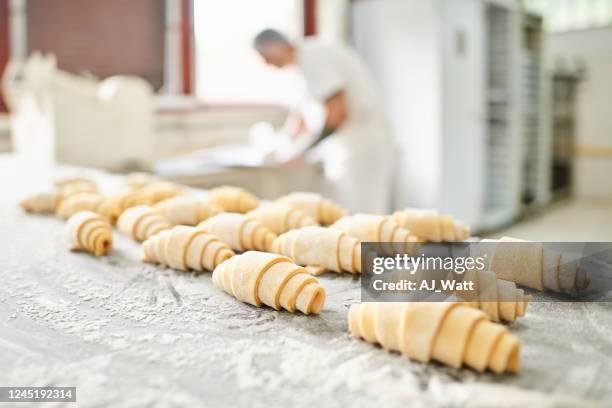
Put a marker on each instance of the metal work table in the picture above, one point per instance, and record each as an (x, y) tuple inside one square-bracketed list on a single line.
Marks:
[(131, 334)]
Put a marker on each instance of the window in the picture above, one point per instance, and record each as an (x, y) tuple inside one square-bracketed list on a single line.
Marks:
[(567, 15), (228, 70)]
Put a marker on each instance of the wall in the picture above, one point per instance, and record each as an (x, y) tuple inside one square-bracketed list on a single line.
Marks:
[(102, 37), (332, 20), (391, 35), (593, 165)]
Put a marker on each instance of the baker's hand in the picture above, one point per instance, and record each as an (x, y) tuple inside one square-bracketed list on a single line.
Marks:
[(294, 162), (294, 125)]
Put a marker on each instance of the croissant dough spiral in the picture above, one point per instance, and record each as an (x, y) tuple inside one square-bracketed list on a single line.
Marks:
[(263, 278), (142, 222), (43, 203), (77, 186), (78, 202), (187, 210), (431, 226), (281, 218), (149, 194), (153, 193), (324, 211), (447, 332), (48, 203), (376, 228), (530, 264), (500, 299), (88, 231), (184, 247), (233, 199), (138, 180), (240, 232), (321, 247), (114, 205), (63, 182)]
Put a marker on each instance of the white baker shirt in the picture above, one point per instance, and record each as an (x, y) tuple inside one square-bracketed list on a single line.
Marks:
[(330, 68), (357, 157)]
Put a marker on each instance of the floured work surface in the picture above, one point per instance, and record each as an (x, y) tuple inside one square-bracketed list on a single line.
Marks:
[(127, 333)]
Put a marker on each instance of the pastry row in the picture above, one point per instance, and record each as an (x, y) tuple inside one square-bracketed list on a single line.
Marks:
[(270, 253)]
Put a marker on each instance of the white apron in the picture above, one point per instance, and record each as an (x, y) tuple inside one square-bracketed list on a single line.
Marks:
[(357, 162), (357, 159)]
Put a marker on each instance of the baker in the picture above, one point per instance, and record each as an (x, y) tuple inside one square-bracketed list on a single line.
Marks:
[(354, 142)]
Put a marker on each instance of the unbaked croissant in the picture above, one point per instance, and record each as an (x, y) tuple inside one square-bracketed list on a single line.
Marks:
[(187, 210), (233, 199), (530, 264), (240, 232), (43, 203), (431, 226), (63, 182), (154, 192), (91, 232), (500, 299), (321, 209), (78, 202), (451, 333), (184, 248), (70, 188), (138, 180), (142, 222), (262, 278), (376, 228), (325, 248), (281, 217), (47, 203), (114, 205)]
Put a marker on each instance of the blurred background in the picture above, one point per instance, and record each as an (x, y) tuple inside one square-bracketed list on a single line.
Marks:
[(499, 110)]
